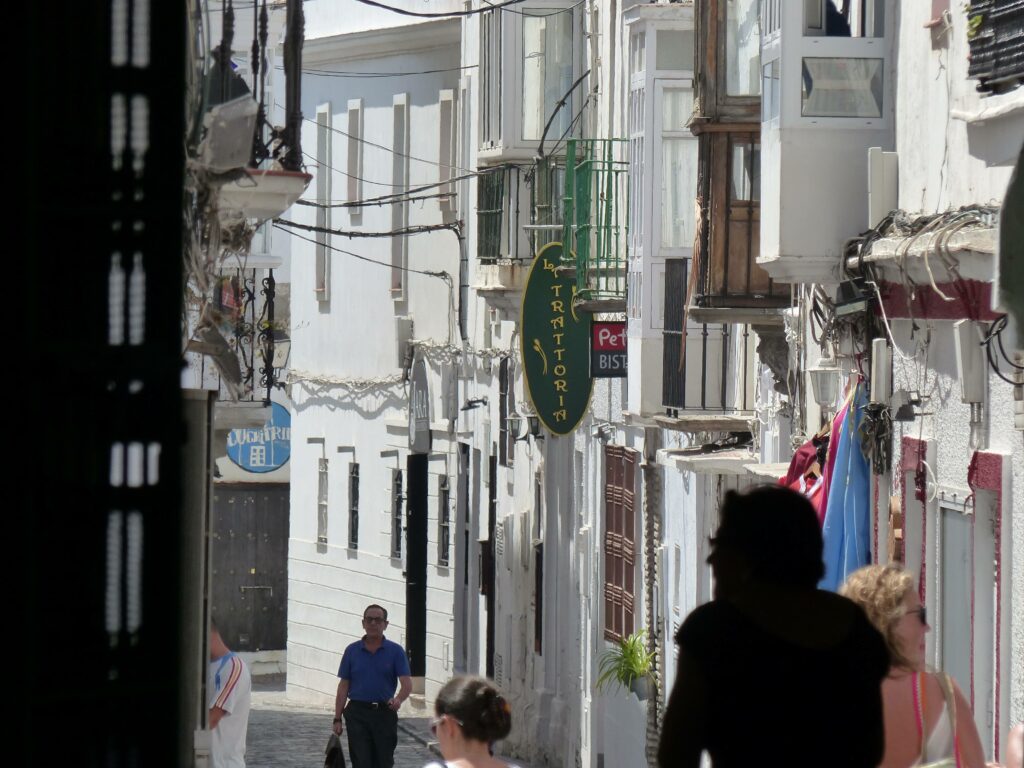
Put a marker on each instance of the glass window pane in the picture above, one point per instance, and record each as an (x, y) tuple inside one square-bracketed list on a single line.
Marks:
[(676, 108), (547, 73), (742, 48), (844, 18), (637, 53), (674, 49), (842, 88), (771, 91), (746, 171), (678, 192)]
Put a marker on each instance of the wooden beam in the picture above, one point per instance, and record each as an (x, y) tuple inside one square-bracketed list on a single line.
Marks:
[(697, 127)]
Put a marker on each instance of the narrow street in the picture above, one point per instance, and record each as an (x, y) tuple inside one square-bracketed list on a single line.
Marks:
[(283, 735)]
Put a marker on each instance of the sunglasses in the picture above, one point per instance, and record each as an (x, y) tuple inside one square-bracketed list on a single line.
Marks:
[(922, 614), (438, 720)]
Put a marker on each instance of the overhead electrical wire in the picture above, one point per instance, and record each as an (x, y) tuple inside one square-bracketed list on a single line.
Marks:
[(418, 229), (402, 197), (368, 204), (319, 164), (361, 140), (371, 75), (433, 15), (441, 275), (535, 14)]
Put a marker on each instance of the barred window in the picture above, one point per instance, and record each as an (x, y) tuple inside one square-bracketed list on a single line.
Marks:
[(444, 521), (397, 513), (321, 501), (353, 505)]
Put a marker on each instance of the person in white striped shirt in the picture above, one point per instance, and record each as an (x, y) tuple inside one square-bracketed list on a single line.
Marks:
[(229, 687)]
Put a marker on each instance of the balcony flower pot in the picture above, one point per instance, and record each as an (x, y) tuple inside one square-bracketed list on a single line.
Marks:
[(642, 687), (629, 665)]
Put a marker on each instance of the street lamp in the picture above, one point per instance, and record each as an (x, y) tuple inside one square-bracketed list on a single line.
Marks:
[(514, 421), (825, 383)]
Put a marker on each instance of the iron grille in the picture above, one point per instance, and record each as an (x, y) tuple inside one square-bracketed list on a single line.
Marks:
[(996, 39), (708, 367), (499, 224), (596, 233)]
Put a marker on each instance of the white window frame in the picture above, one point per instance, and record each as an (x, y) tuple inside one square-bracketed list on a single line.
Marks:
[(508, 142), (324, 143), (646, 136)]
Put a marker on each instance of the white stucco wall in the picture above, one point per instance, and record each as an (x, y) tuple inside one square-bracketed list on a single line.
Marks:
[(957, 147), (352, 337), (951, 151), (946, 425)]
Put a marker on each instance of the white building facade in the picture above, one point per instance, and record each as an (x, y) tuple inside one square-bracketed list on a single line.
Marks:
[(439, 149)]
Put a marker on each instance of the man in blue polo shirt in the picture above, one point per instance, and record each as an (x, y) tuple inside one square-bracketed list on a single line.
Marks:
[(370, 669)]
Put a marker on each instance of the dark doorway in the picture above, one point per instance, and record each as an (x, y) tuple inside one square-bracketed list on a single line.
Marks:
[(416, 565), (462, 555), (487, 564), (250, 565)]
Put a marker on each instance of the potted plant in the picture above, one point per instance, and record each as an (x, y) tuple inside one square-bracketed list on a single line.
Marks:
[(628, 663)]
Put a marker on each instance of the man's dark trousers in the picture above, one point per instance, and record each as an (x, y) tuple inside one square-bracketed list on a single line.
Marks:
[(372, 735)]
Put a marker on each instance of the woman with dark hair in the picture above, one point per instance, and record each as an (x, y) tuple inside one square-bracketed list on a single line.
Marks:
[(773, 671), (470, 716)]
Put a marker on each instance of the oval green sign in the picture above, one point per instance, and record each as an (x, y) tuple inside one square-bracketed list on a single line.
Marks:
[(555, 343)]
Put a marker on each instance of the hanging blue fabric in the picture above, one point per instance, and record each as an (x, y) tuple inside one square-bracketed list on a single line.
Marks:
[(847, 527)]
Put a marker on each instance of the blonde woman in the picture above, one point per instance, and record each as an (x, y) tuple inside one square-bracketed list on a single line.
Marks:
[(927, 718)]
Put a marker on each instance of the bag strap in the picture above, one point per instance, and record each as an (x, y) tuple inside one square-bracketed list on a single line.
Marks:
[(947, 691), (918, 693)]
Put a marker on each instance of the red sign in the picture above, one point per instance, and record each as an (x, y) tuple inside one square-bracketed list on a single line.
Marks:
[(608, 349), (608, 336)]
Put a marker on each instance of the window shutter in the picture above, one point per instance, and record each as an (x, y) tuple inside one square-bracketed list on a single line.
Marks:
[(619, 542), (322, 278), (355, 154), (353, 505), (397, 507), (321, 501), (399, 184), (447, 150)]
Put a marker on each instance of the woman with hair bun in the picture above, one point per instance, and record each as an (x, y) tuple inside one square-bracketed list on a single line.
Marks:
[(470, 716)]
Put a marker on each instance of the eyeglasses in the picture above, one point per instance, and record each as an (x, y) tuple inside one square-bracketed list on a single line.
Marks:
[(922, 614), (374, 619), (438, 720)]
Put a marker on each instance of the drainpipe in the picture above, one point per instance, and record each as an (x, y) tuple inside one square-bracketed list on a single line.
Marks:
[(652, 543)]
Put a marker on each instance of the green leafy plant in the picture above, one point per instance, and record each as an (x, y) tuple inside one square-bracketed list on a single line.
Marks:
[(625, 662), (975, 19)]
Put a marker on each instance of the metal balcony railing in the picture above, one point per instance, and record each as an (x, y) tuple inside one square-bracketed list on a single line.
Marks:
[(595, 234), (707, 367), (500, 212)]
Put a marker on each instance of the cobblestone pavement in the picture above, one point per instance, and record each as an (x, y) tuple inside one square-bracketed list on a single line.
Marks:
[(283, 735)]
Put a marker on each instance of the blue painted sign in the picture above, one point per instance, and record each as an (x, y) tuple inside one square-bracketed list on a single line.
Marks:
[(266, 449)]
